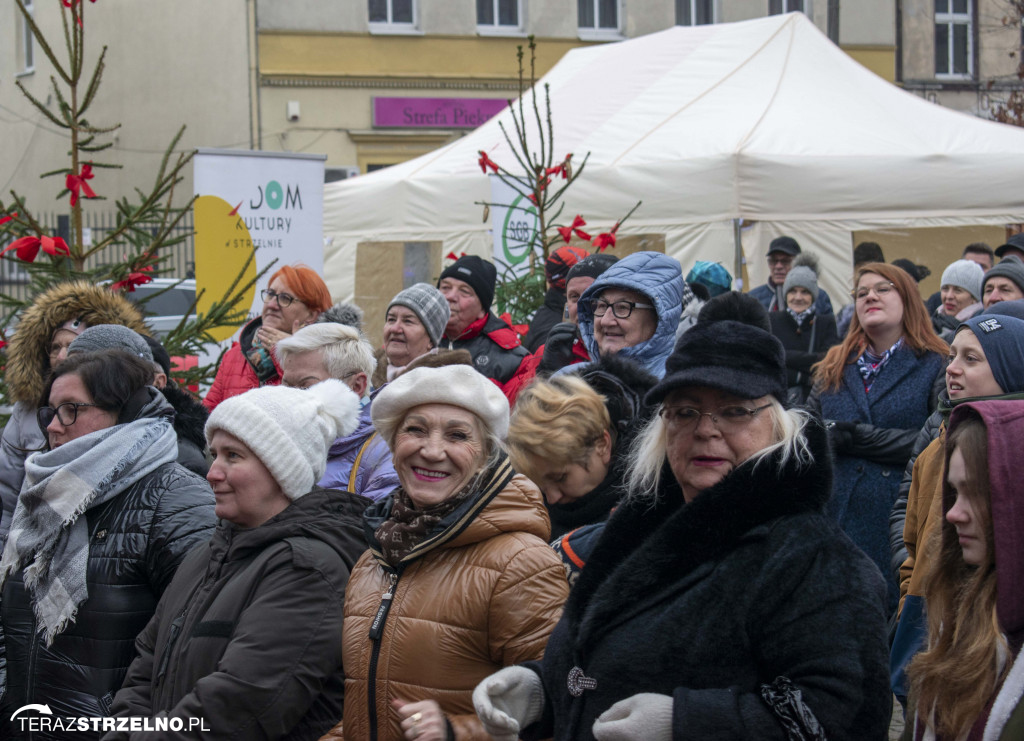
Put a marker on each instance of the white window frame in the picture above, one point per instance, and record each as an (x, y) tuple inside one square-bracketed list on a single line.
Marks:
[(26, 49), (596, 33), (496, 29), (957, 19), (693, 13), (392, 27)]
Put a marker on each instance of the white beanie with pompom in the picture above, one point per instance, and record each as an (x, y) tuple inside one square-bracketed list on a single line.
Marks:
[(289, 430)]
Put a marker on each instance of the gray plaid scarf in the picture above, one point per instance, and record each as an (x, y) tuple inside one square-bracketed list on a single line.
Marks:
[(49, 537)]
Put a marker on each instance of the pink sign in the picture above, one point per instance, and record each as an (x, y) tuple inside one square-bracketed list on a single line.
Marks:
[(433, 113)]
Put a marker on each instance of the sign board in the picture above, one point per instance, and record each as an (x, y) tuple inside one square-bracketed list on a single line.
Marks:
[(435, 113), (267, 203), (514, 224)]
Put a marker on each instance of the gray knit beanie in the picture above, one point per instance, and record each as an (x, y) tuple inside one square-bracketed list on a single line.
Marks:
[(111, 337), (965, 274), (429, 304), (801, 277), (1008, 267)]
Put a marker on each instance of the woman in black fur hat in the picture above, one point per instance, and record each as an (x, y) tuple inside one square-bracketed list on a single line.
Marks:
[(720, 602)]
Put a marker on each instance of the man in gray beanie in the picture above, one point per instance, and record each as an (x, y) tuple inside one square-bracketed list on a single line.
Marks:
[(1004, 282)]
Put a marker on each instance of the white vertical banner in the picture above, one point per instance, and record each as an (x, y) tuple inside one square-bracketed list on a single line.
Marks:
[(514, 223), (268, 202)]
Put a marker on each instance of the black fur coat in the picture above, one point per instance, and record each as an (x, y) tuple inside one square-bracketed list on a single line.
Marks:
[(710, 600)]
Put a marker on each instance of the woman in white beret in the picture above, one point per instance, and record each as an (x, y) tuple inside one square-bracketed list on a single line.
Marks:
[(458, 581), (245, 638)]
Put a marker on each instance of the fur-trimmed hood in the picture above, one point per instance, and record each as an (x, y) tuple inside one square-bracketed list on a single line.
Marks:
[(642, 562), (28, 354)]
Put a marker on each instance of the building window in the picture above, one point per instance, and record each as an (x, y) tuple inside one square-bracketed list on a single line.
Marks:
[(777, 7), (695, 12), (598, 15), (26, 51), (497, 13), (393, 12), (953, 39)]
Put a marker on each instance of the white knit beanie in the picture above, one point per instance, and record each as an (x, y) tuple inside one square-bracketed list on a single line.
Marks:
[(458, 385), (289, 430), (965, 274)]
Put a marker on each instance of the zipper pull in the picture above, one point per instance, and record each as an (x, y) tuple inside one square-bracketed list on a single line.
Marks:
[(377, 626)]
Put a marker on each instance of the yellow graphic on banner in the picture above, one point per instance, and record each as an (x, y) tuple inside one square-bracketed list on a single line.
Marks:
[(223, 244)]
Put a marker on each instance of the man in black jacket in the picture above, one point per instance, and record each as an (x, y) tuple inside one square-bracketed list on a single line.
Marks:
[(552, 311), (468, 286)]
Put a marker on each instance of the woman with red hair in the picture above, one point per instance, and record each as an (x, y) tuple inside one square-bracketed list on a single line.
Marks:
[(296, 297), (875, 390)]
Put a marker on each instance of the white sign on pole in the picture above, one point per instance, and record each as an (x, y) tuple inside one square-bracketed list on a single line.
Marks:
[(514, 222), (267, 202)]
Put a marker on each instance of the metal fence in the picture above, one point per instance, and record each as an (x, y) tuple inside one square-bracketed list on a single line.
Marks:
[(180, 262)]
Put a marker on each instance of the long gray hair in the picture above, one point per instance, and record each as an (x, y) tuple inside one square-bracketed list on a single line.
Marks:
[(647, 455)]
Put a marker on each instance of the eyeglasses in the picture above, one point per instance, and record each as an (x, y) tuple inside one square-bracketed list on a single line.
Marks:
[(881, 290), (284, 300), (67, 413), (780, 260), (726, 419), (620, 309)]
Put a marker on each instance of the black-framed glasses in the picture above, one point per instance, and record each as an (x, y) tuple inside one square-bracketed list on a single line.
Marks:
[(284, 300), (726, 419), (67, 413), (884, 288), (620, 309)]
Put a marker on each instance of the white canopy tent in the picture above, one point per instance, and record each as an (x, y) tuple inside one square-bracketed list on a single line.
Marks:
[(764, 121)]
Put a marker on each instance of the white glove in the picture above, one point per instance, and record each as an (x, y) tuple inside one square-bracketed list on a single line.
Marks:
[(643, 717), (508, 701)]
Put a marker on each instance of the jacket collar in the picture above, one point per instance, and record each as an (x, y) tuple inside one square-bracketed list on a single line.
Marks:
[(638, 560)]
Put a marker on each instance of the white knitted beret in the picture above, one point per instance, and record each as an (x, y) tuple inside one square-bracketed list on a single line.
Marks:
[(458, 385), (289, 430)]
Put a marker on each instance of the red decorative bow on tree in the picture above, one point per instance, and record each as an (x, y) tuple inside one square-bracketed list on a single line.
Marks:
[(138, 278), (562, 168), (566, 231), (27, 248), (604, 240), (9, 217), (486, 162), (453, 256), (76, 184)]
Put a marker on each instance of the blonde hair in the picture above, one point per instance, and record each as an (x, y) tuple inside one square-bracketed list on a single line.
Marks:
[(643, 477), (952, 681), (559, 419)]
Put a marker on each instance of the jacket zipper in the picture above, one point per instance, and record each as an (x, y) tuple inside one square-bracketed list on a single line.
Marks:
[(376, 632)]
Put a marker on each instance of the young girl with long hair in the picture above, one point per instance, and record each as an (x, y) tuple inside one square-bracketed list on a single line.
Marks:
[(968, 682)]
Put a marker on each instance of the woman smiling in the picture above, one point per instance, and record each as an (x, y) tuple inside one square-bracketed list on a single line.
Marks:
[(459, 580)]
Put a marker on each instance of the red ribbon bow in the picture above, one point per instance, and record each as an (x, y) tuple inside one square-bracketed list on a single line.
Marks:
[(9, 217), (519, 329), (453, 256), (76, 184), (604, 240), (134, 279), (486, 162), (566, 231), (27, 248)]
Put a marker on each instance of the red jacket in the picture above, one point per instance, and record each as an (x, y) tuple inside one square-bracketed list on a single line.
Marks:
[(528, 370), (236, 374)]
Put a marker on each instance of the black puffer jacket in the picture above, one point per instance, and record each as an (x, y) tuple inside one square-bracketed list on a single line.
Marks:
[(137, 540), (496, 350), (258, 655)]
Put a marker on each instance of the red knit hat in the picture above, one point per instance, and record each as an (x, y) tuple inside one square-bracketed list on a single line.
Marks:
[(560, 261)]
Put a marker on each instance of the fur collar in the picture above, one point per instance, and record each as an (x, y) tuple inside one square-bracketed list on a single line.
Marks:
[(28, 354), (638, 559)]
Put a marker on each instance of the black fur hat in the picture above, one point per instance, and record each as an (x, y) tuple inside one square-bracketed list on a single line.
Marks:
[(730, 348)]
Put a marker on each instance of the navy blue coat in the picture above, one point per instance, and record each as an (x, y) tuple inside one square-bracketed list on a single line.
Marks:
[(709, 600), (869, 467)]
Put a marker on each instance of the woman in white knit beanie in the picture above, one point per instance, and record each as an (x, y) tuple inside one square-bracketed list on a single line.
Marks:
[(246, 635)]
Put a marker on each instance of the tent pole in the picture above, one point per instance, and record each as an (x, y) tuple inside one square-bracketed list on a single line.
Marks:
[(737, 266)]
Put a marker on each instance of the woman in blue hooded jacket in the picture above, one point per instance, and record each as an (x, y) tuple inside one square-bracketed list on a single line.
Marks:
[(633, 309)]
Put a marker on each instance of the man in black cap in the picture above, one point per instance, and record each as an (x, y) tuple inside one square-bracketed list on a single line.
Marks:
[(781, 252), (1014, 246), (468, 286)]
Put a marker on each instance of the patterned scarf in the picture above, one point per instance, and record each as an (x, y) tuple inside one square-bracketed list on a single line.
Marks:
[(801, 316), (408, 526), (870, 365), (49, 536)]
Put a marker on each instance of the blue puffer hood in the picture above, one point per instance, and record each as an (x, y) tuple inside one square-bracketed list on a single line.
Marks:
[(655, 275)]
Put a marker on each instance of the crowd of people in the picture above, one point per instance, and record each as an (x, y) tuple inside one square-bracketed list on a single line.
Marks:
[(669, 510)]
